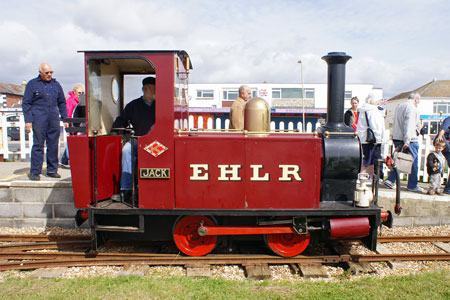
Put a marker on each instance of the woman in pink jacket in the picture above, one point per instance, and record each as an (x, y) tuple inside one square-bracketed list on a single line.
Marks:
[(71, 103)]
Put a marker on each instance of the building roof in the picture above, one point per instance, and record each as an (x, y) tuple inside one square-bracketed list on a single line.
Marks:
[(433, 89), (9, 88)]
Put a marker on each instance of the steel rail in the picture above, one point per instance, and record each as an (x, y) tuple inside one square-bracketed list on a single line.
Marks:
[(172, 261), (50, 238), (401, 257), (45, 246), (41, 237), (111, 259), (405, 239)]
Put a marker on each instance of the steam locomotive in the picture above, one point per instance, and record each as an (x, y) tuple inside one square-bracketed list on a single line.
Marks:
[(197, 187)]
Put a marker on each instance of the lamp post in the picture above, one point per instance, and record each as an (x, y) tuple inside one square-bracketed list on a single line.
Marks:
[(303, 96)]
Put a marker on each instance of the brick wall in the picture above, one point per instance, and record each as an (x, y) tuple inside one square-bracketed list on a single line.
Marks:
[(36, 204)]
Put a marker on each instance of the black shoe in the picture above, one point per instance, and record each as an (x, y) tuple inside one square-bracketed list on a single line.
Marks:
[(34, 177), (53, 175), (126, 194)]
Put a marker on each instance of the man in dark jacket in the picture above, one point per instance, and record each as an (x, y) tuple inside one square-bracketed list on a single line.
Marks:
[(43, 104), (140, 113)]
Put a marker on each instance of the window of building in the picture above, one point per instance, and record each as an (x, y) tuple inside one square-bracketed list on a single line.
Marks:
[(348, 95), (434, 127), (292, 93), (230, 94), (310, 93), (205, 94), (276, 93), (441, 106)]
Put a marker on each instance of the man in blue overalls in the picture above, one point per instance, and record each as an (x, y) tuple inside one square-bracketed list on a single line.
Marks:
[(43, 103)]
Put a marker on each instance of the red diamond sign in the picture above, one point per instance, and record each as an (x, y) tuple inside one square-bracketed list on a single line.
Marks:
[(155, 148)]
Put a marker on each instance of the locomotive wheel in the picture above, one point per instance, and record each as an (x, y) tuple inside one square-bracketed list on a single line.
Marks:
[(187, 239), (287, 244)]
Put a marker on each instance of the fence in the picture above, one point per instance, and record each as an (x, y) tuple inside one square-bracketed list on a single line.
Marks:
[(24, 150), (21, 149)]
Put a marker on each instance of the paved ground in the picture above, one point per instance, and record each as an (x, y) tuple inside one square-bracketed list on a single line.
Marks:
[(11, 171), (418, 209)]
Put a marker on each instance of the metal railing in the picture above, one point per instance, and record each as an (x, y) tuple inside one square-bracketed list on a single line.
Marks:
[(20, 149)]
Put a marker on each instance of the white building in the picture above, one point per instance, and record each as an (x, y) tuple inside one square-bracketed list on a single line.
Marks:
[(277, 95), (212, 101), (434, 104)]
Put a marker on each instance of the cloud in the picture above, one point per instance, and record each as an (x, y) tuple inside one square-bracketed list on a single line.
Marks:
[(395, 45)]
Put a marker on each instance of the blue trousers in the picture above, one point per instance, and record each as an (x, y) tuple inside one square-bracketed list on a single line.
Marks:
[(447, 157), (127, 166), (45, 132), (413, 177), (65, 157)]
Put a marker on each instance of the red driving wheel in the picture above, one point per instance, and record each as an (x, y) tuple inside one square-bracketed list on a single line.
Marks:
[(287, 244), (187, 239)]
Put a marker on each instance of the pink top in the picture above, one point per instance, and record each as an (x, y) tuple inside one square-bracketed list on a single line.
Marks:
[(71, 103)]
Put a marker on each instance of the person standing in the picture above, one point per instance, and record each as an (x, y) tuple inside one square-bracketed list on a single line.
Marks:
[(351, 115), (370, 117), (237, 109), (444, 136), (43, 104), (71, 103), (405, 132)]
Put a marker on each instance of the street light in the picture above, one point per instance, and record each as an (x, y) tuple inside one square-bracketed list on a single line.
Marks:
[(303, 96)]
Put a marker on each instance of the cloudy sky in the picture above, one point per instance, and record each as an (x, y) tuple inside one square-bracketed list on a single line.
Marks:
[(396, 45)]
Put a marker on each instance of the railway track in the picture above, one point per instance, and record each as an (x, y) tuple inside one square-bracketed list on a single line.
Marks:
[(51, 260), (54, 238), (28, 255)]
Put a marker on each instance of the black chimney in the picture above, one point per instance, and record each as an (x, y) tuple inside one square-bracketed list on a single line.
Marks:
[(336, 91)]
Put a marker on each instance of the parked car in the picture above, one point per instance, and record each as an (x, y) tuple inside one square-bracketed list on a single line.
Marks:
[(12, 119), (14, 134)]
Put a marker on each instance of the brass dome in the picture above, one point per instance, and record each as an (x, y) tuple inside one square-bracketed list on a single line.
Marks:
[(257, 115)]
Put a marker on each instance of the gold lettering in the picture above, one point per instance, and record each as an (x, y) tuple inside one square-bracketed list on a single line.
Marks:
[(154, 173), (289, 171), (232, 170), (256, 176), (199, 172)]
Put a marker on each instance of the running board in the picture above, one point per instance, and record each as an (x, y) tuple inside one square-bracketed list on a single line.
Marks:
[(119, 228)]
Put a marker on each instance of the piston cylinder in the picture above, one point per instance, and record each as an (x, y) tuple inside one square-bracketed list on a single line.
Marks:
[(347, 228)]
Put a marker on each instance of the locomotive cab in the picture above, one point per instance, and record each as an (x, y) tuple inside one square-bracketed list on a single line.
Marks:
[(111, 79)]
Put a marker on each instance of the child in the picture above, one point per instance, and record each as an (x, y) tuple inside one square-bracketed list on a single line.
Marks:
[(435, 166)]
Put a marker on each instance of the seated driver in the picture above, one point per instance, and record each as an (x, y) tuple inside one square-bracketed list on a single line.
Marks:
[(140, 113)]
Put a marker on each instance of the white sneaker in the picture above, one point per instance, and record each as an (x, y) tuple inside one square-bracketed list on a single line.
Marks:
[(389, 184), (417, 189)]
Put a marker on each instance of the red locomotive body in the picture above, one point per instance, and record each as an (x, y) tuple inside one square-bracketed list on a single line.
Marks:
[(204, 184)]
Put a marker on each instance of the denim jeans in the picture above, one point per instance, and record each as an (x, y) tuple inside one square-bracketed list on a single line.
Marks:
[(413, 177), (127, 166), (447, 157), (65, 157)]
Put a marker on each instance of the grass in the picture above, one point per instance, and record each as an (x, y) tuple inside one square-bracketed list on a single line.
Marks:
[(429, 285)]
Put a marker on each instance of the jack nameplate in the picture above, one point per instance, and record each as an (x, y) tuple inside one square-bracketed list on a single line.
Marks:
[(154, 173)]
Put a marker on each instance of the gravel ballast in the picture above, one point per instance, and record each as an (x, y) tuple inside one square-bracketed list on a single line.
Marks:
[(279, 273)]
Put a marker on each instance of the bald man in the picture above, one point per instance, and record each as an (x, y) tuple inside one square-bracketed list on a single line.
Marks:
[(237, 109), (43, 104)]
